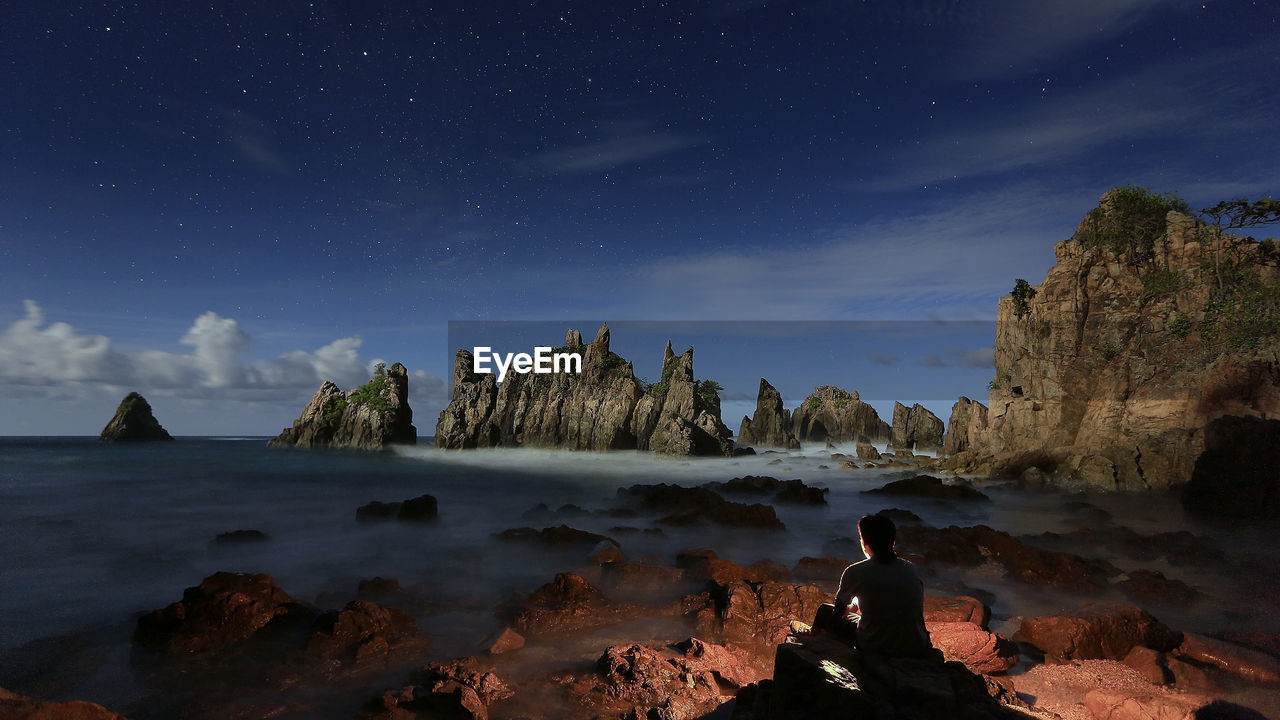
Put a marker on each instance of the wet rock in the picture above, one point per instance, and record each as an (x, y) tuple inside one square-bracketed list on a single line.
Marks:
[(731, 667), (630, 579), (461, 689), (239, 537), (691, 506), (642, 682), (1097, 631), (20, 707), (758, 614), (506, 641), (223, 610), (1150, 664), (133, 422), (567, 603), (793, 492), (898, 515), (705, 565), (1241, 662), (364, 636), (1151, 587), (980, 650), (928, 486), (559, 536), (420, 509), (1268, 643), (867, 451), (978, 545)]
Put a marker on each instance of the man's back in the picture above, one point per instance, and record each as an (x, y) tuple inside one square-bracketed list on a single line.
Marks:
[(891, 602)]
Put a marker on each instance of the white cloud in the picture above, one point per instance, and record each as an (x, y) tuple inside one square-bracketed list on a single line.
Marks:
[(52, 360)]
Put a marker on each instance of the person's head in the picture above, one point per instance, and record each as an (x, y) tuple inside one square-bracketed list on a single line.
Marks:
[(877, 533)]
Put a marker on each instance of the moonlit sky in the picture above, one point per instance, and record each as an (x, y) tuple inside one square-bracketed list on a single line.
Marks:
[(222, 204)]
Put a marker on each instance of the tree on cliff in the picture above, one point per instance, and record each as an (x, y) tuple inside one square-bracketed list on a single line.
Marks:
[(1234, 215), (1129, 220)]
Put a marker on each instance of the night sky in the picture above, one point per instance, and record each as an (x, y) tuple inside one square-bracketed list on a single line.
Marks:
[(222, 204)]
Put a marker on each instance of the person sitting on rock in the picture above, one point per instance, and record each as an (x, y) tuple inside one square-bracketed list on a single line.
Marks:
[(880, 604)]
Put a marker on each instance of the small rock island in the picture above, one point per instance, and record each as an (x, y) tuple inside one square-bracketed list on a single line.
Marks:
[(134, 422), (369, 417)]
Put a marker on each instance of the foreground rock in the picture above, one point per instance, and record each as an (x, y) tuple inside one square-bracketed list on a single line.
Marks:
[(793, 492), (836, 415), (133, 422), (462, 688), (819, 677), (223, 610), (1103, 631), (370, 417), (1108, 376), (916, 428), (980, 545), (19, 707), (420, 509), (691, 506), (567, 603), (770, 427), (603, 408)]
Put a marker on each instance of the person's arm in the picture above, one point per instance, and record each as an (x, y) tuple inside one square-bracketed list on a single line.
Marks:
[(847, 592)]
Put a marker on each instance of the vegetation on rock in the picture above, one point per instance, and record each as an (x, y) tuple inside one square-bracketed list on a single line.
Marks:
[(1128, 221), (1022, 292)]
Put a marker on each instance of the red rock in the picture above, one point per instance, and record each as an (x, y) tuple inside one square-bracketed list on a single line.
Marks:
[(766, 570), (364, 635), (639, 681), (980, 651), (1098, 631), (1193, 676), (223, 610), (19, 707), (828, 569), (628, 578), (1242, 662), (1120, 705), (978, 545), (761, 614), (960, 608), (730, 666), (1150, 664), (1268, 643), (567, 603), (471, 672), (506, 641), (705, 565), (1151, 587)]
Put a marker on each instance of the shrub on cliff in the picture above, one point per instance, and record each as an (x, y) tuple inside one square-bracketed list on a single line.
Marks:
[(1128, 221)]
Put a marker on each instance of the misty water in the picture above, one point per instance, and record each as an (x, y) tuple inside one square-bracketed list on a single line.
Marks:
[(92, 536)]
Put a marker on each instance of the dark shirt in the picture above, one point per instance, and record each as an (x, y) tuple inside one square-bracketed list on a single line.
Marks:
[(890, 600)]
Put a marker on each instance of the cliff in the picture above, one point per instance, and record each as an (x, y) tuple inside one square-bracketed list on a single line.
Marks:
[(770, 427), (838, 415), (369, 417), (603, 408), (1109, 372), (133, 422)]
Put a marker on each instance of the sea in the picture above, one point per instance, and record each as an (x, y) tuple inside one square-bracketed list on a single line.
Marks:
[(92, 536)]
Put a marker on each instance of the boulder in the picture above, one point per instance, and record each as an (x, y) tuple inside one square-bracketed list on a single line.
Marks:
[(770, 427), (1103, 704), (958, 609), (967, 642), (506, 641), (459, 689), (929, 487), (565, 604), (370, 417), (364, 636), (1244, 663), (916, 428), (133, 422), (640, 681), (691, 506), (979, 545), (788, 492), (420, 509), (223, 610), (867, 451), (1098, 631)]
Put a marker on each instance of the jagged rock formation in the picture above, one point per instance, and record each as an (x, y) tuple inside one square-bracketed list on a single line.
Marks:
[(967, 423), (604, 408), (370, 417), (771, 425), (830, 413), (1109, 375), (133, 421), (915, 428)]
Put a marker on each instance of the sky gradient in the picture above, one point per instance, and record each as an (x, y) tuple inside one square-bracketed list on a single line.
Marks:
[(221, 205)]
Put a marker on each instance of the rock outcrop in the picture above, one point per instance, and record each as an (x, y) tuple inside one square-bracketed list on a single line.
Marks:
[(830, 413), (965, 426), (770, 427), (370, 417), (1238, 474), (603, 408), (915, 428), (133, 421), (1108, 376)]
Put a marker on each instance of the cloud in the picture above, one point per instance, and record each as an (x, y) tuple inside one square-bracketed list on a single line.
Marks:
[(883, 359), (932, 360), (979, 358), (52, 359), (633, 146)]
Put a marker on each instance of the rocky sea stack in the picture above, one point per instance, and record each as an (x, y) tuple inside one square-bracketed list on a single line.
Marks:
[(1150, 328), (605, 407), (133, 422), (369, 417)]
